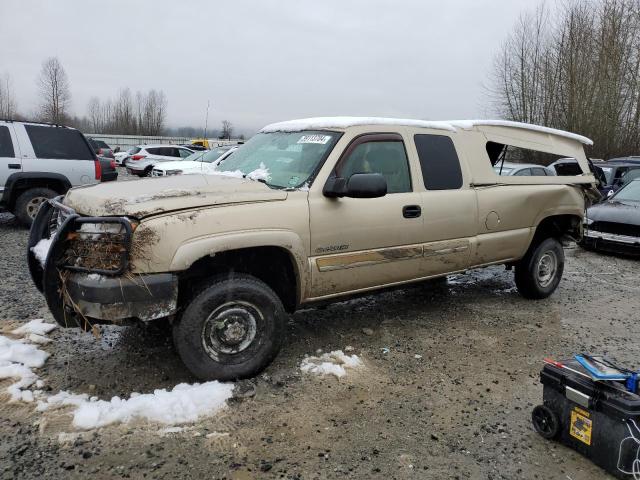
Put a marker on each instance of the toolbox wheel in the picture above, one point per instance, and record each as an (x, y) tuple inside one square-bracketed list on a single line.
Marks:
[(545, 422)]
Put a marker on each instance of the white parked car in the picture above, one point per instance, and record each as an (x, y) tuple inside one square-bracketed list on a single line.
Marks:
[(143, 158), (200, 162), (120, 157)]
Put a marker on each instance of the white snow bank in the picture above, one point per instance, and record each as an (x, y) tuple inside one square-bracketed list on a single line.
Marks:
[(41, 250), (450, 125), (333, 363), (184, 404), (37, 326), (16, 361)]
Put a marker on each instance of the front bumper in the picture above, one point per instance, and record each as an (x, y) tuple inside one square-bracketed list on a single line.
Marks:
[(611, 242), (116, 299), (77, 295)]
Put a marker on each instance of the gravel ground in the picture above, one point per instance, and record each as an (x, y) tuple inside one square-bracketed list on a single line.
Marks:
[(460, 410)]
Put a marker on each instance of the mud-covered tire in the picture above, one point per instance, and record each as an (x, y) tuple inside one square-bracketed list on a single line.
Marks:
[(538, 274), (28, 203), (232, 329)]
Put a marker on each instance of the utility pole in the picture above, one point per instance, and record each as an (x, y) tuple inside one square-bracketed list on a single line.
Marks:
[(206, 121)]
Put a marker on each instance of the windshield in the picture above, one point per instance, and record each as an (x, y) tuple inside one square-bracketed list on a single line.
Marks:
[(628, 193), (505, 170), (607, 174), (208, 156), (287, 158)]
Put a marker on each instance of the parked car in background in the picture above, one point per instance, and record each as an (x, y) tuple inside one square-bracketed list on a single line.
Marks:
[(614, 225), (199, 162), (109, 170), (194, 147), (101, 148), (615, 173), (569, 166), (142, 158), (121, 156), (630, 159), (39, 161), (531, 169)]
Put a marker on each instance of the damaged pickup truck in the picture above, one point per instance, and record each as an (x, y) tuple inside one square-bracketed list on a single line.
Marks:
[(307, 211)]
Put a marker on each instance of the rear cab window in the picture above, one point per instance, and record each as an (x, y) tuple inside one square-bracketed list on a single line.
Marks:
[(58, 143), (439, 162)]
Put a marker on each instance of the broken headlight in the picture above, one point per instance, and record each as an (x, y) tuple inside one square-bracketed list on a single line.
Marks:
[(99, 246)]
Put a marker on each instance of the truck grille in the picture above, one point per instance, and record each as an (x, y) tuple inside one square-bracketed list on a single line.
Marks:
[(616, 228)]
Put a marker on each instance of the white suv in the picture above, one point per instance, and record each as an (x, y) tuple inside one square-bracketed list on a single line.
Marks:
[(40, 161), (199, 162), (142, 158)]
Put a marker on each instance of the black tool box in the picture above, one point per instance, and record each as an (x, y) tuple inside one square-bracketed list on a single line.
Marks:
[(600, 420)]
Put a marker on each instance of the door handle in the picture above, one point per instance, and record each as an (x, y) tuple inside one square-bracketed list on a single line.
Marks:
[(411, 211), (14, 166)]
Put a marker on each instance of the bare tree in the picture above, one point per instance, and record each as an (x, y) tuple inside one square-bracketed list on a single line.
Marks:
[(577, 68), (7, 101), (227, 129), (94, 110), (54, 91)]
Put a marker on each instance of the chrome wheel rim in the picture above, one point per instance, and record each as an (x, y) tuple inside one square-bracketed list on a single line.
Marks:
[(34, 205), (231, 328), (547, 268)]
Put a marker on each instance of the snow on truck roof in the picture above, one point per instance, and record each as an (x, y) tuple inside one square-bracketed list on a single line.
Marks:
[(449, 125)]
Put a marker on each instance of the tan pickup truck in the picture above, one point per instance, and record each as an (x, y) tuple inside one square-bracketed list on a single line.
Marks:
[(307, 211)]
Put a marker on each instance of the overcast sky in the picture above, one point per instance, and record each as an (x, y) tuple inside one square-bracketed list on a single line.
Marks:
[(260, 61)]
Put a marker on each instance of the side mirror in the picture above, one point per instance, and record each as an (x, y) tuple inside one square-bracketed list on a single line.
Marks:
[(359, 185)]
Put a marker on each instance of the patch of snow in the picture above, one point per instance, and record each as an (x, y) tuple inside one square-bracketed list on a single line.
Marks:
[(185, 403), (17, 359), (170, 430), (449, 125), (261, 173), (41, 250), (39, 339), (333, 363), (469, 124), (37, 327), (345, 122)]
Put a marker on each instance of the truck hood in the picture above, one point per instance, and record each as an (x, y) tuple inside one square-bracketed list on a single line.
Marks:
[(151, 196)]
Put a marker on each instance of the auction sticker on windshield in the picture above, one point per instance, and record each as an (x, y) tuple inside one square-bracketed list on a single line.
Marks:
[(321, 139)]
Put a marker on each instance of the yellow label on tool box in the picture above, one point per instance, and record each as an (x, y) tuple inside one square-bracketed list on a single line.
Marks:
[(581, 425)]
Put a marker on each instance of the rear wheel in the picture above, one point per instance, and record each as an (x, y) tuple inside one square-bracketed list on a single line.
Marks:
[(232, 329), (545, 422), (538, 274), (29, 202)]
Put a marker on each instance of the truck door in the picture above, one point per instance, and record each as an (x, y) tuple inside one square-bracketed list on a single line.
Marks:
[(10, 161), (449, 206), (359, 243)]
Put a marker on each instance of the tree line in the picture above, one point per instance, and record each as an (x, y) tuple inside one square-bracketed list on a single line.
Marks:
[(142, 114), (576, 67)]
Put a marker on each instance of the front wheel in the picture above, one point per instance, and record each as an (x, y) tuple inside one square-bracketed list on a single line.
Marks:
[(232, 329), (538, 274)]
